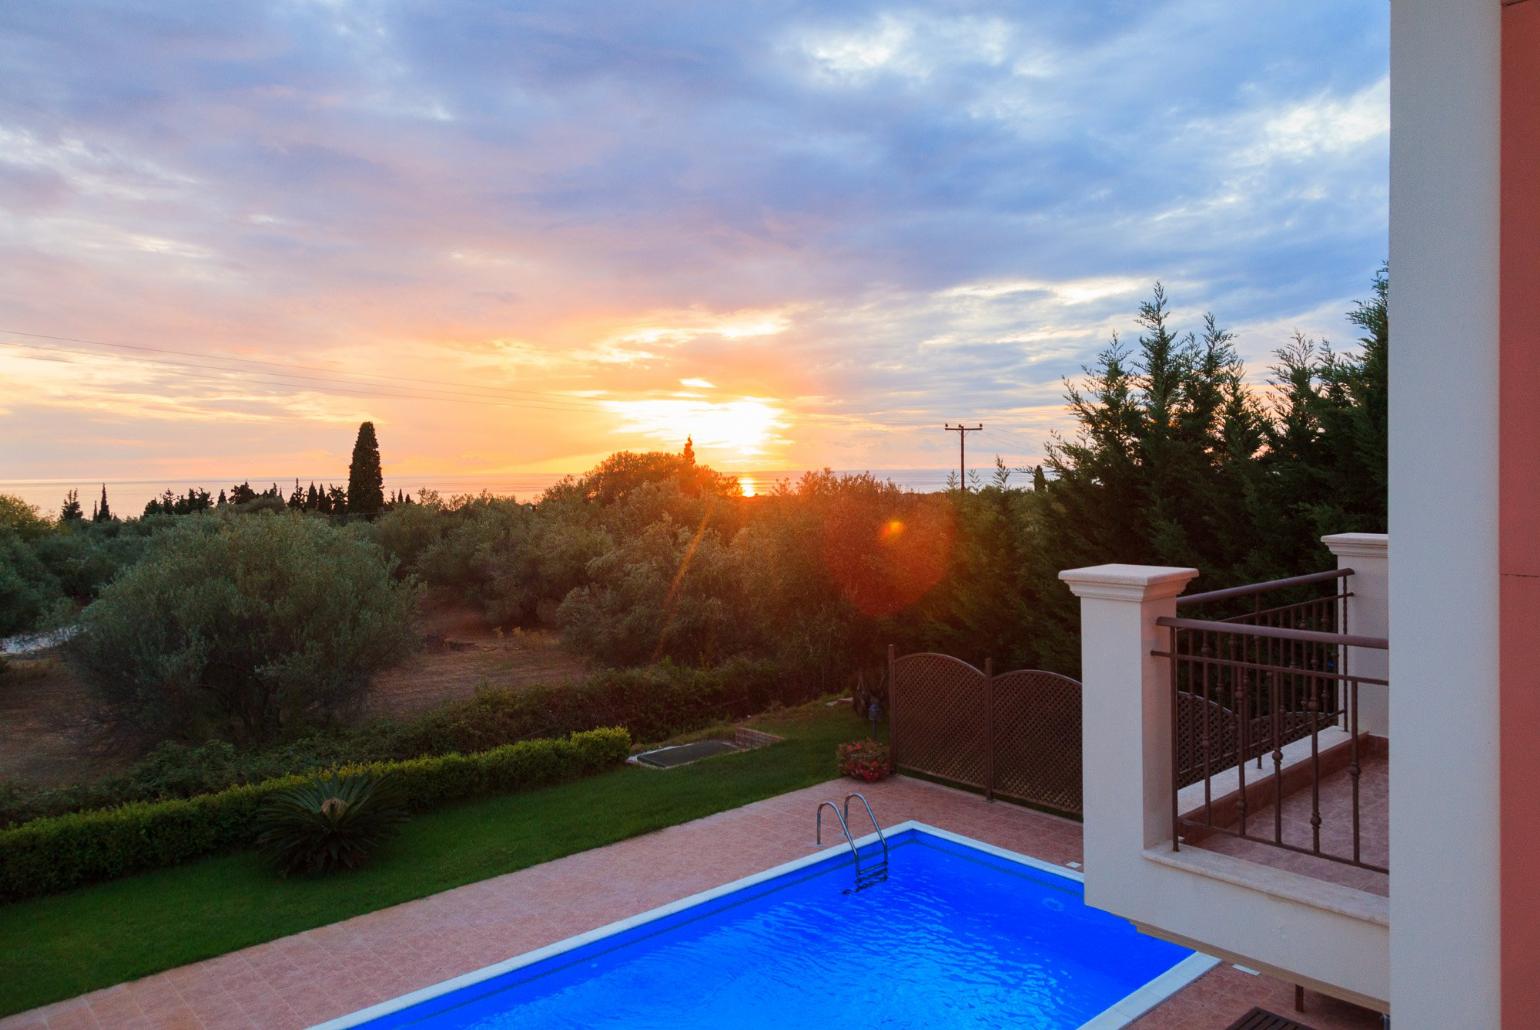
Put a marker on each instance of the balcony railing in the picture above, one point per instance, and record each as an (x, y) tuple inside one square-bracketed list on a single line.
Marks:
[(1249, 685)]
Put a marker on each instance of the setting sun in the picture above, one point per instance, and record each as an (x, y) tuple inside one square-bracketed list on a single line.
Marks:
[(748, 427), (747, 486)]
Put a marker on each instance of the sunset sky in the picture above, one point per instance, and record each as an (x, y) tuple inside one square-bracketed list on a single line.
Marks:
[(521, 236)]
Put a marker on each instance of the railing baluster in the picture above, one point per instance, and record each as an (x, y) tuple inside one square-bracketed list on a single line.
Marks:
[(1343, 656), (1315, 774), (1206, 717), (1176, 736), (1355, 769), (1270, 647), (1243, 752), (1279, 673), (1277, 724)]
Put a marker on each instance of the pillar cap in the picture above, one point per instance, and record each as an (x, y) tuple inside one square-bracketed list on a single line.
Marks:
[(1358, 545), (1128, 582)]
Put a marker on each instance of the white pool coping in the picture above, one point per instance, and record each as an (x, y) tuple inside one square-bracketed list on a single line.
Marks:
[(1119, 1014)]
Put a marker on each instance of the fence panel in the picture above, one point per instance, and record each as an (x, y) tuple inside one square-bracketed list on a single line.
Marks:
[(1037, 739), (938, 704), (1016, 734)]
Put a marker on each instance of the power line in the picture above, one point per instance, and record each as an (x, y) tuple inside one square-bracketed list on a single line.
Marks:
[(962, 432), (356, 384), (280, 365), (348, 387)]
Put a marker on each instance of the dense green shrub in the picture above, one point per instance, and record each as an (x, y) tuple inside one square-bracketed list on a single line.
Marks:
[(335, 822), (22, 518), (515, 560), (85, 556), (176, 770), (30, 595), (65, 851), (474, 532), (652, 703), (406, 531), (531, 574), (669, 591), (245, 627)]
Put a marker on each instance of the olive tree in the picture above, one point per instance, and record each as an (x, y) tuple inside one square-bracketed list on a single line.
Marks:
[(245, 627)]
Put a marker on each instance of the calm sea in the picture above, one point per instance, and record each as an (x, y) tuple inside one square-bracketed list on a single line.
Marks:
[(129, 496)]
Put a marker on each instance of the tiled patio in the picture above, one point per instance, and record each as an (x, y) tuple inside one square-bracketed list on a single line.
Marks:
[(319, 974), (1336, 829)]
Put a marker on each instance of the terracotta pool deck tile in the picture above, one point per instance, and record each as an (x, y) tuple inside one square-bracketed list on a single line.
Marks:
[(1336, 809), (154, 998), (1226, 993), (74, 1019), (322, 973)]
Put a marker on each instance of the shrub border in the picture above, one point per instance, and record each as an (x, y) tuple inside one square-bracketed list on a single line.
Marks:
[(56, 853)]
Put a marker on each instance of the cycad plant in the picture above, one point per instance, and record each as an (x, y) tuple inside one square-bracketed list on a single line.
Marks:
[(328, 824)]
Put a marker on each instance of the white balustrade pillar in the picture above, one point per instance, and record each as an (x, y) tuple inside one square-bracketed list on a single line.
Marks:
[(1126, 707), (1368, 615)]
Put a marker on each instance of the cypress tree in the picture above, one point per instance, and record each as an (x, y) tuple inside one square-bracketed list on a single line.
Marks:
[(366, 480), (71, 511), (222, 501), (1039, 481), (689, 450), (103, 513)]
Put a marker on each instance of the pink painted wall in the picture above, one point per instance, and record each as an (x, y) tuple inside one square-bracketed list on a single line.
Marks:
[(1519, 514)]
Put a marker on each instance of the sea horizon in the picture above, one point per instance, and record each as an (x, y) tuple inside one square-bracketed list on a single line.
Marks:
[(127, 497)]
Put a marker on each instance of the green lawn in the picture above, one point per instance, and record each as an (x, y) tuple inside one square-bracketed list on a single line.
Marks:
[(59, 946)]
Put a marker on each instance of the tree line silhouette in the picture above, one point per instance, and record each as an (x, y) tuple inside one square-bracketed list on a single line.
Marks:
[(363, 496)]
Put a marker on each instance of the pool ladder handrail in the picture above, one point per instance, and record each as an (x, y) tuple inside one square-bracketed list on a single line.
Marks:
[(864, 877)]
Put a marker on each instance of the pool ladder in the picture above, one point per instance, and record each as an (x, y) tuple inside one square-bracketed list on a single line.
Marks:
[(867, 875)]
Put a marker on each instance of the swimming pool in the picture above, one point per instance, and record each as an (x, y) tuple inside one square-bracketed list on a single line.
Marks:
[(960, 935)]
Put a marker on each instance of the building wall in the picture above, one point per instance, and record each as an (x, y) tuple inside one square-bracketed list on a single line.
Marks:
[(1445, 906), (1520, 513)]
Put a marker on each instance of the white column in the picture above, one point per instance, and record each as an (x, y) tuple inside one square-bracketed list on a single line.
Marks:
[(1368, 615), (1126, 706), (1445, 911)]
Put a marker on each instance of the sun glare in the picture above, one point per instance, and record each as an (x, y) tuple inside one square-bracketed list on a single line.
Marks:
[(747, 486), (744, 428)]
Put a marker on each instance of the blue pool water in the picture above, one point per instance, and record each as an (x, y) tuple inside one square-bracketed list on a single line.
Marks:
[(956, 937)]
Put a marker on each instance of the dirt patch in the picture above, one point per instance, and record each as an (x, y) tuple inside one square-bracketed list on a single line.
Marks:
[(48, 733), (460, 653), (50, 737)]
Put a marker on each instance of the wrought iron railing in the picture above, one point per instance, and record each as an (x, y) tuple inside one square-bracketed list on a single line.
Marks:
[(1246, 685)]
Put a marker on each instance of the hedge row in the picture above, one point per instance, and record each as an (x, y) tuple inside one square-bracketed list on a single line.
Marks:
[(653, 703), (57, 853)]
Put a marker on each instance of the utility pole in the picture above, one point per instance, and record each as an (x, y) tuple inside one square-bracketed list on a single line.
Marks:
[(962, 432)]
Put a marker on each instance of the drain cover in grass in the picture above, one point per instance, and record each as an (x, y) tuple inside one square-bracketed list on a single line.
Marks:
[(683, 754)]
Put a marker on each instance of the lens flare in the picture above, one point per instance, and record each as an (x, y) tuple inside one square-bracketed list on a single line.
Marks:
[(886, 561)]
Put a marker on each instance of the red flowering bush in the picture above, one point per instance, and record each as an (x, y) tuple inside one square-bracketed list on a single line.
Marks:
[(867, 760)]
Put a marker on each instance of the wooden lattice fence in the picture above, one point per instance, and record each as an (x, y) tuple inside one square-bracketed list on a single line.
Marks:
[(1015, 735)]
